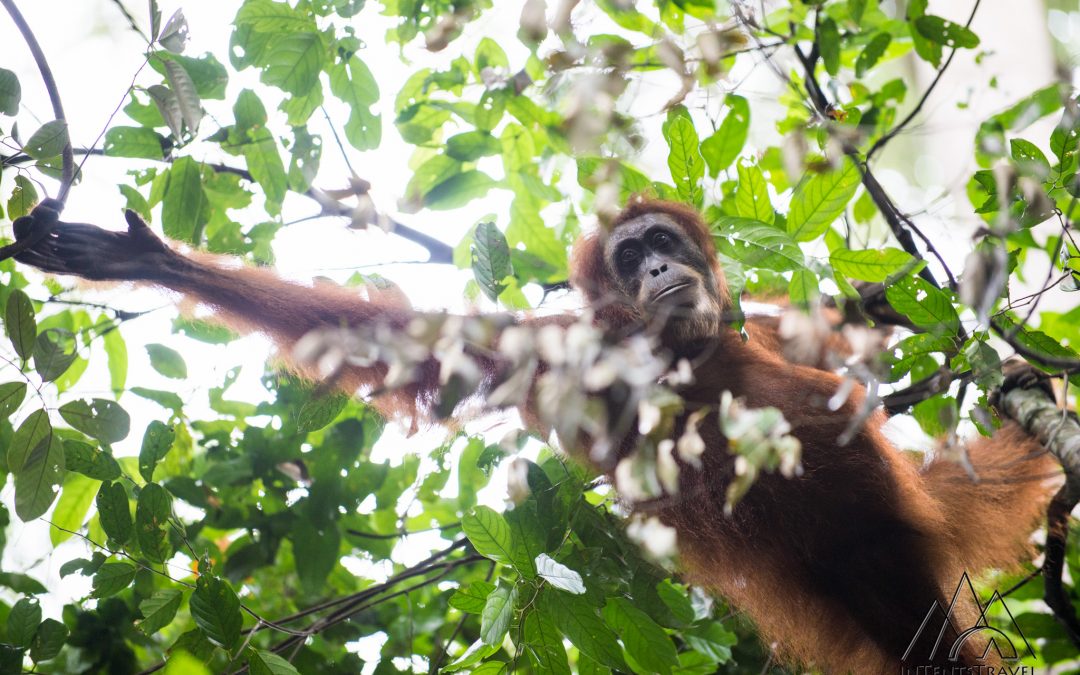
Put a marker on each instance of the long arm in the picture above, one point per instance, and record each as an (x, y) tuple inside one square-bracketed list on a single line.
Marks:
[(252, 299)]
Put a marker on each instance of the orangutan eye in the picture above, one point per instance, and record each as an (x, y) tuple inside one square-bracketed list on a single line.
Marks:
[(661, 240), (628, 257)]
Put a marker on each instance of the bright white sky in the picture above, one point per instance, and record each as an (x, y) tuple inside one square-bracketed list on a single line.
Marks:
[(94, 57)]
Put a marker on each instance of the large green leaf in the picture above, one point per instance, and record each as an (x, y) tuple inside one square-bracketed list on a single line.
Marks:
[(152, 512), (490, 259), (101, 418), (20, 324), (581, 624), (684, 158), (39, 479), (721, 149), (872, 265), (496, 615), (23, 621), (70, 512), (114, 513), (926, 306), (216, 611), (646, 642), (752, 194), (820, 200), (159, 610), (489, 533), (755, 244), (10, 93), (47, 141), (156, 443)]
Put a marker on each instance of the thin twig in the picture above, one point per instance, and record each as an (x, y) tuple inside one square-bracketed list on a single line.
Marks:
[(67, 174), (880, 143)]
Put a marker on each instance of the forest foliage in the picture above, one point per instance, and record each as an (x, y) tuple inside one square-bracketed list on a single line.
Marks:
[(231, 540)]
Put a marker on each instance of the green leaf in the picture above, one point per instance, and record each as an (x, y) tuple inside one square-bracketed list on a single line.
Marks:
[(70, 512), (803, 288), (12, 395), (48, 141), (89, 461), (684, 158), (472, 145), (756, 244), (137, 142), (294, 62), (1030, 157), (721, 149), (828, 40), (928, 50), (490, 259), (544, 643), (872, 53), (489, 533), (274, 17), (184, 201), (156, 443), (159, 610), (472, 598), (114, 513), (116, 352), (926, 306), (558, 575), (20, 324), (580, 623), (54, 352), (497, 613), (316, 551), (101, 418), (167, 361), (10, 93), (712, 640), (112, 578), (35, 427), (266, 167), (48, 641), (820, 200), (353, 83), (38, 481), (646, 642), (458, 190), (320, 411), (872, 265), (22, 622), (752, 195), (216, 611), (187, 97), (22, 199), (946, 33), (937, 415), (262, 662), (152, 511)]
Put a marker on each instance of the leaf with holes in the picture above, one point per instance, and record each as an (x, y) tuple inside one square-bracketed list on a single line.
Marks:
[(114, 513), (156, 443), (874, 265), (926, 306), (48, 141), (152, 511), (491, 259), (103, 419), (48, 641), (756, 244), (39, 479)]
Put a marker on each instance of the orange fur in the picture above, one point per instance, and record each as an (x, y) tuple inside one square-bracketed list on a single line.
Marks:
[(837, 566)]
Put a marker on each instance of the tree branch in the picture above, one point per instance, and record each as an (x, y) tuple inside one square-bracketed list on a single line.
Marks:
[(1059, 432), (68, 171), (439, 252)]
